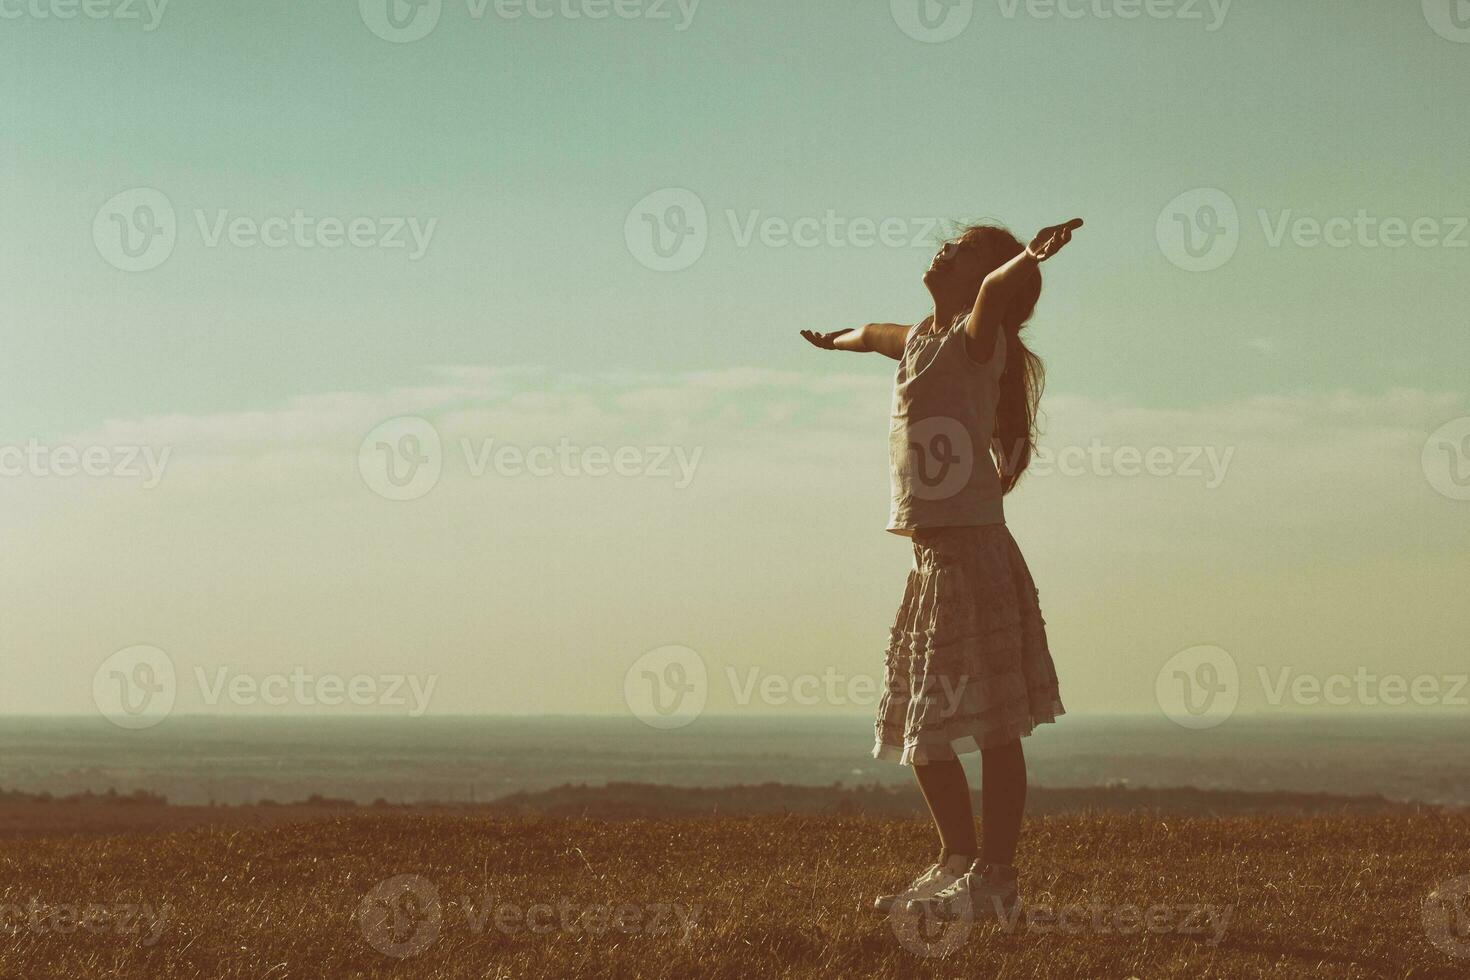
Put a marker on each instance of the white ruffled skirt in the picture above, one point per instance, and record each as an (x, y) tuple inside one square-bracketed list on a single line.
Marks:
[(967, 666)]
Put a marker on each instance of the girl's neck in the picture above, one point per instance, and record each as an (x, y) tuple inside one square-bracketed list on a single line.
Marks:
[(944, 315)]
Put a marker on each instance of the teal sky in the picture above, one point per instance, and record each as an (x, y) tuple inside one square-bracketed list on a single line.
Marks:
[(529, 140), (1336, 541)]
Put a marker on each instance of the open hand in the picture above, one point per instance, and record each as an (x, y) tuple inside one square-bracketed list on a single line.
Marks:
[(826, 341), (1049, 241)]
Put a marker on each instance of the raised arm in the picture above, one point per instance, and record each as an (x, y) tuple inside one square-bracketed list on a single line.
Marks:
[(887, 339), (1001, 286)]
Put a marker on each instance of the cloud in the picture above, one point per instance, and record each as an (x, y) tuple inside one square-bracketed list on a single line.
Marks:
[(762, 420)]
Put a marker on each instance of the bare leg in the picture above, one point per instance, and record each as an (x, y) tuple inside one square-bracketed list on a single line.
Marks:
[(947, 792), (1002, 801)]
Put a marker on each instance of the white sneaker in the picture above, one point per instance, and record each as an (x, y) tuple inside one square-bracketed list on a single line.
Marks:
[(984, 891), (933, 881)]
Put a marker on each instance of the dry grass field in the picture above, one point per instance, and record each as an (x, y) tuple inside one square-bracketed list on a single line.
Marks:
[(439, 894)]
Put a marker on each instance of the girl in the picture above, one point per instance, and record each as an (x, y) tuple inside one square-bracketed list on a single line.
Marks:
[(967, 666)]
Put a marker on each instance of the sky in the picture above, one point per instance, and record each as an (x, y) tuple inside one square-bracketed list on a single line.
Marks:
[(241, 240)]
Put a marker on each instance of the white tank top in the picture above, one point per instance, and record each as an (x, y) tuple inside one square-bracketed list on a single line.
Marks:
[(939, 436)]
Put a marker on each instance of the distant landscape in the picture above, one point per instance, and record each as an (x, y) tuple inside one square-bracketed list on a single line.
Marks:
[(199, 760)]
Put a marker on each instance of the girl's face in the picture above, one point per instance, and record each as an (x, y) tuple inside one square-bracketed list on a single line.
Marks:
[(957, 265)]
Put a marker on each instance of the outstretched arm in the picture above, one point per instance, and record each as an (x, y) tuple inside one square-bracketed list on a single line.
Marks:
[(1001, 286), (887, 339)]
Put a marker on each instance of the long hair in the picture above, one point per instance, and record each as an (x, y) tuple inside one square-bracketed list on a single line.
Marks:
[(1025, 375)]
